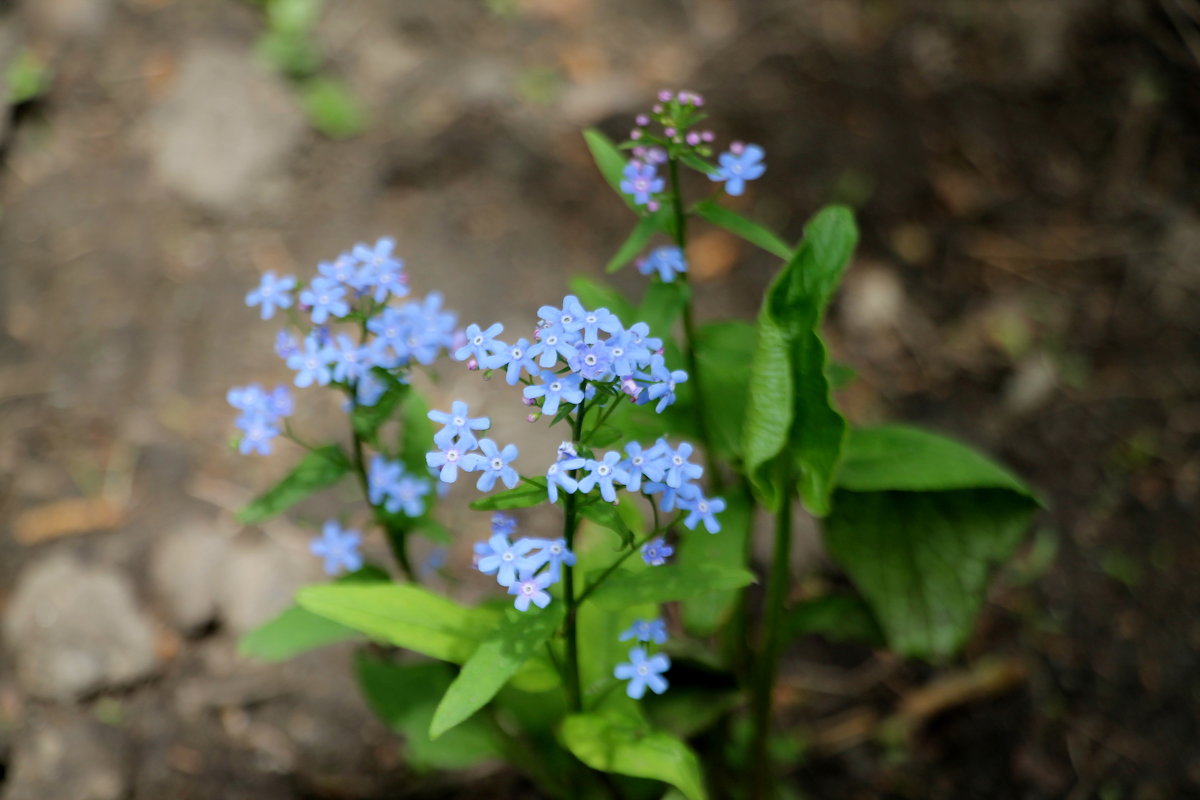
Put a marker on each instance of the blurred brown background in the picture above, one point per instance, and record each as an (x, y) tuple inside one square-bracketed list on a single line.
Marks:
[(1025, 173)]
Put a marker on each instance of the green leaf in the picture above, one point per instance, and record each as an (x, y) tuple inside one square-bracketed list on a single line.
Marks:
[(609, 161), (606, 515), (669, 582), (837, 617), (616, 742), (725, 352), (897, 457), (922, 559), (318, 469), (705, 613), (404, 696), (416, 437), (518, 638), (331, 108), (699, 164), (605, 435), (789, 411), (662, 305), (593, 294), (297, 631), (739, 226), (367, 419), (641, 235), (404, 615), (531, 493)]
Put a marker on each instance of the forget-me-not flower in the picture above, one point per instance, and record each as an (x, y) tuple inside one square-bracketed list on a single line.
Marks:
[(666, 261), (271, 293), (602, 473), (555, 389), (553, 553), (662, 383), (642, 672), (493, 463), (531, 589), (643, 463), (679, 469), (513, 357), (325, 298), (557, 477), (312, 363), (459, 425), (552, 343), (653, 630), (339, 548), (504, 524), (641, 181), (504, 558), (703, 510), (446, 461), (591, 361), (480, 343), (656, 552), (738, 165)]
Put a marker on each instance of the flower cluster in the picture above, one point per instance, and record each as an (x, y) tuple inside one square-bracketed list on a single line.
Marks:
[(526, 567), (457, 444), (668, 133), (644, 671), (261, 414)]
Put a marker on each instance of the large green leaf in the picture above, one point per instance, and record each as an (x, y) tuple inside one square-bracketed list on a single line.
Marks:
[(897, 457), (669, 582), (405, 695), (789, 411), (612, 741), (527, 494), (318, 469), (404, 615), (724, 352), (704, 613), (638, 238), (922, 559), (609, 161), (518, 637), (738, 225), (296, 630)]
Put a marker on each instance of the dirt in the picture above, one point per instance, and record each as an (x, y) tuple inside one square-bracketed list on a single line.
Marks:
[(1028, 280)]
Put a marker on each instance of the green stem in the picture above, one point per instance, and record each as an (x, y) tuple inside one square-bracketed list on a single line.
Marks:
[(689, 333), (594, 585), (570, 523), (772, 636)]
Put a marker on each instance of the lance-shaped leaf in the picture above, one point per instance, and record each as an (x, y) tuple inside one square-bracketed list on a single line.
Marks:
[(669, 582), (319, 469), (739, 226), (641, 235), (609, 161), (605, 514), (789, 411), (531, 493)]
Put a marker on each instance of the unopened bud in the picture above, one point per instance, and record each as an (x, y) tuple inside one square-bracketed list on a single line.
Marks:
[(472, 364), (533, 417)]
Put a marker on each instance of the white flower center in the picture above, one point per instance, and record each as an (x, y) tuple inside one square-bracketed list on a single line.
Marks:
[(497, 464), (507, 556), (643, 670), (452, 455), (528, 588), (553, 470), (590, 319), (617, 352), (567, 319), (478, 340), (603, 469), (702, 507), (556, 386), (459, 421), (677, 460), (590, 360), (638, 461), (551, 340), (517, 352)]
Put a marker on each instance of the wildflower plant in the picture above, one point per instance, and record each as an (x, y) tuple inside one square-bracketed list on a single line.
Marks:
[(673, 432)]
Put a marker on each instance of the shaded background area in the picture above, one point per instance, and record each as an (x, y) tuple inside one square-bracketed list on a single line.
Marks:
[(1025, 178)]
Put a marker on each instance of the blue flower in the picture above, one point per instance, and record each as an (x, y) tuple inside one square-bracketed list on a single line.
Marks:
[(642, 672), (325, 298), (381, 269), (285, 344), (555, 389), (258, 431), (531, 589), (339, 548), (641, 181), (628, 353), (447, 461), (312, 363), (390, 487), (480, 343), (342, 269), (643, 463), (667, 261), (554, 553), (494, 464), (654, 630), (557, 477), (701, 509), (599, 320), (381, 479), (679, 469), (568, 319), (738, 165), (656, 552), (272, 293), (671, 497), (459, 425), (433, 328), (551, 343), (502, 558), (592, 361), (602, 473), (639, 335), (369, 389), (504, 524), (661, 383), (514, 356), (350, 360)]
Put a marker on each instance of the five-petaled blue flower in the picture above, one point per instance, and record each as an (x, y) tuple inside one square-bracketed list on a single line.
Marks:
[(312, 363), (504, 524), (459, 426), (555, 389), (656, 552), (339, 548), (554, 554), (446, 461), (493, 463), (738, 167), (325, 299), (666, 261), (592, 361), (642, 672), (641, 181), (654, 630), (272, 293), (481, 344), (513, 357), (662, 383), (381, 270), (551, 344), (557, 477), (679, 469), (531, 589), (602, 473), (504, 559), (701, 509), (643, 463)]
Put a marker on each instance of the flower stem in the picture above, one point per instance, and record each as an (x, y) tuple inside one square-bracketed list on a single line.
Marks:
[(689, 332), (772, 635), (570, 522), (594, 585)]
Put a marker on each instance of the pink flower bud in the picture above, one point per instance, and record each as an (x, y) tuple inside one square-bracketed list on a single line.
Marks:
[(642, 120), (537, 334), (665, 95), (652, 205), (472, 364), (693, 138), (533, 417), (657, 108), (670, 132), (635, 134), (707, 136), (737, 147), (528, 401)]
